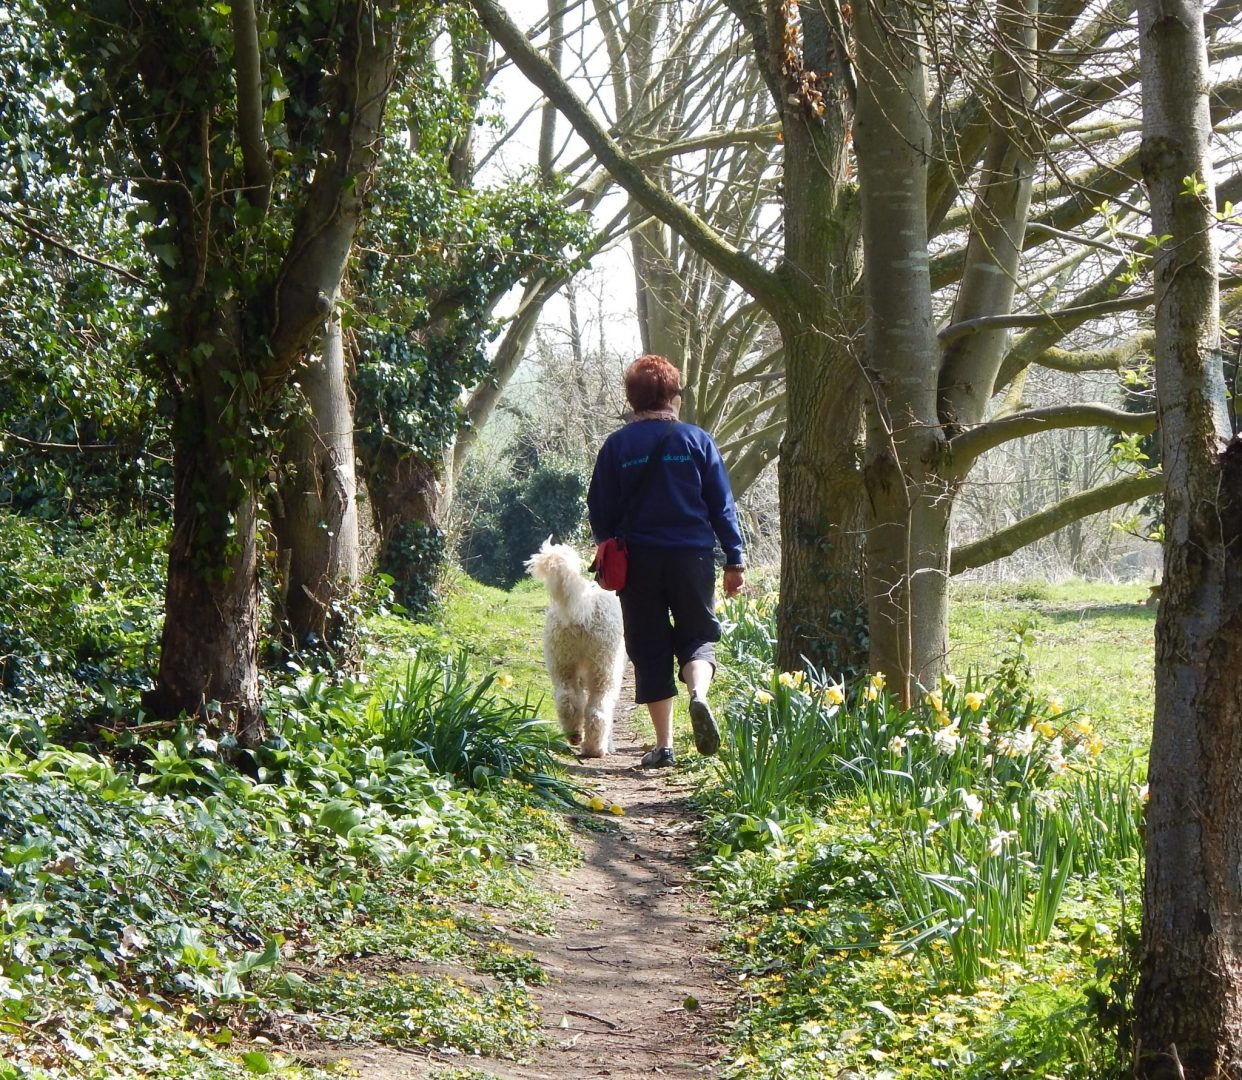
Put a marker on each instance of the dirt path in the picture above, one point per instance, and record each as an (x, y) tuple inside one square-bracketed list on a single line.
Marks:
[(634, 988)]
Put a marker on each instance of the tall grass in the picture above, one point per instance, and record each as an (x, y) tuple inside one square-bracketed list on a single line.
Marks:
[(456, 722)]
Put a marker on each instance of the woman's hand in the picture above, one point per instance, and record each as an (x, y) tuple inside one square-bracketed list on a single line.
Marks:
[(733, 582)]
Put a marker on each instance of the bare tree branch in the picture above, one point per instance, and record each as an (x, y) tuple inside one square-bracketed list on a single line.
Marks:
[(1047, 521), (967, 445), (764, 285), (68, 249)]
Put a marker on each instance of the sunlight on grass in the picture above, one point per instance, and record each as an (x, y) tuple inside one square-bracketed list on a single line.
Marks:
[(1088, 643)]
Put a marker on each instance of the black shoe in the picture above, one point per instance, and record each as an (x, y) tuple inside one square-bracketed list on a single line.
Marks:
[(659, 758), (706, 733)]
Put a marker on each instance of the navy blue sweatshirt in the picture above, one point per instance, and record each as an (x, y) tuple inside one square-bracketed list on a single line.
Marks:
[(686, 505)]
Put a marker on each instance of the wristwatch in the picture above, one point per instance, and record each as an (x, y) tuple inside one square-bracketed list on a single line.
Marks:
[(739, 567)]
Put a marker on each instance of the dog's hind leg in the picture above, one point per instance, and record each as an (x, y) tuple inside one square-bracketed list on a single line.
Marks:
[(598, 739), (571, 711)]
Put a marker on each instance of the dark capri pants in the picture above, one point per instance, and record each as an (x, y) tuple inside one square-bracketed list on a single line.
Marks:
[(668, 608)]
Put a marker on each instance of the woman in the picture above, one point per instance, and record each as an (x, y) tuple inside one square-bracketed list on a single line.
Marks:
[(662, 486)]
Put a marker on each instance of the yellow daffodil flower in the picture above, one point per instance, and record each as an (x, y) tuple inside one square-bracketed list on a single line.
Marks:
[(975, 700)]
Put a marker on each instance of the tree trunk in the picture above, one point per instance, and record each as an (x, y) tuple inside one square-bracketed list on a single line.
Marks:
[(405, 497), (822, 613), (1189, 1001), (317, 522), (658, 290), (209, 648), (821, 617), (908, 498)]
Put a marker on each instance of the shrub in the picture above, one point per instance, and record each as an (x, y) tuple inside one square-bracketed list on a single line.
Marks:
[(535, 496), (79, 617)]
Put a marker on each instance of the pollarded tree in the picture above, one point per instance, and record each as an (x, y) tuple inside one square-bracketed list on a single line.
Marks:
[(983, 126), (245, 139), (811, 296), (1189, 1001)]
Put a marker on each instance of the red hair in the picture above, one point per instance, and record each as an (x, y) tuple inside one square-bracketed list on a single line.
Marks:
[(651, 382)]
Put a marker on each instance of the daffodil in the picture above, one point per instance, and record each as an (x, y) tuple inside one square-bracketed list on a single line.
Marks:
[(1054, 706), (946, 739), (786, 679), (597, 803), (762, 697), (505, 680), (870, 693), (1046, 729), (996, 844), (896, 744), (973, 805), (975, 700), (877, 680), (617, 809), (834, 694)]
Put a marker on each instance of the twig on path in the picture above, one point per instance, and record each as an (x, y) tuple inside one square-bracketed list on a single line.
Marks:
[(584, 948), (591, 1016)]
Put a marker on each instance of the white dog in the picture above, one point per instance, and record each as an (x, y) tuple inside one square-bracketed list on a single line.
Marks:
[(583, 648)]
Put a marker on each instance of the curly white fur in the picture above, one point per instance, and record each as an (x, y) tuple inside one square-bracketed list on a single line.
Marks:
[(583, 648)]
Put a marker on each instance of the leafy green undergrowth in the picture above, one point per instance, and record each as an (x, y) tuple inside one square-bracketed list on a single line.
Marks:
[(138, 927), (189, 909), (79, 617), (931, 892)]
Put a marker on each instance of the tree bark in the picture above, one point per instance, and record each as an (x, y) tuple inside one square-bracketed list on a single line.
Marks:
[(821, 615), (317, 521), (209, 647), (1189, 1001), (909, 500)]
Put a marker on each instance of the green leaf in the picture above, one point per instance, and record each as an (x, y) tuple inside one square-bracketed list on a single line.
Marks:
[(340, 816), (257, 1062)]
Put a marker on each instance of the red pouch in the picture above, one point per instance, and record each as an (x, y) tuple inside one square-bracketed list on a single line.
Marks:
[(610, 565)]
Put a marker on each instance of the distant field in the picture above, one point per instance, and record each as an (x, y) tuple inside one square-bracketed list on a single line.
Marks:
[(1090, 644)]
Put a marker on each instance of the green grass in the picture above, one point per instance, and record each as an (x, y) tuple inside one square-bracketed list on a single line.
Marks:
[(500, 629), (1088, 643)]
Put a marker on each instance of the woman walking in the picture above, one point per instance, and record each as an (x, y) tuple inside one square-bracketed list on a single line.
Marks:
[(661, 485)]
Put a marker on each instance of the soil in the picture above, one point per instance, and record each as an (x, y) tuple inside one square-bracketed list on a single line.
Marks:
[(635, 988)]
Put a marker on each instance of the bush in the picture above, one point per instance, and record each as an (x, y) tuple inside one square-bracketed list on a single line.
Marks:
[(534, 497), (79, 616)]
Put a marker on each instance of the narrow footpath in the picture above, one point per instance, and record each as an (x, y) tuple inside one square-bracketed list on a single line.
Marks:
[(634, 989)]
